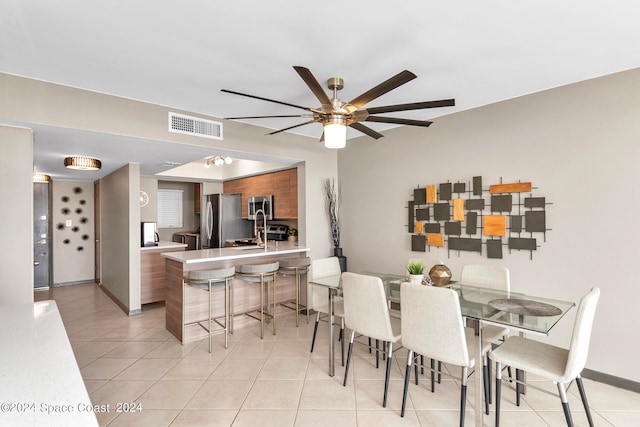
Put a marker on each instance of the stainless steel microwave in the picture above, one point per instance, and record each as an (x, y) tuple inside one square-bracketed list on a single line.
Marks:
[(263, 203)]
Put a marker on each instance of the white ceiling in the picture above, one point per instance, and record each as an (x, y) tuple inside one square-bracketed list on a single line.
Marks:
[(180, 54)]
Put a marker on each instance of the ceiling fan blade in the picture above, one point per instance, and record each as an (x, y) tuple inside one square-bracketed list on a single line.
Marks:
[(265, 117), (384, 87), (366, 130), (397, 121), (291, 127), (264, 99), (412, 106), (313, 84)]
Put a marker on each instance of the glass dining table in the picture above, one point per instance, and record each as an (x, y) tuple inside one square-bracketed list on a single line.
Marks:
[(479, 306)]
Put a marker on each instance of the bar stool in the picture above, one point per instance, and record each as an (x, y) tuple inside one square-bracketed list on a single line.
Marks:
[(208, 280), (299, 267), (263, 274)]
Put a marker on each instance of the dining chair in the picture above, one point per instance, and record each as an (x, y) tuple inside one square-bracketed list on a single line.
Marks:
[(489, 277), (556, 364), (432, 326), (366, 312), (324, 267)]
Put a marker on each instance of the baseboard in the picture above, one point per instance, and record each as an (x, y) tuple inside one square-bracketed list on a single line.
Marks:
[(81, 282), (611, 380), (120, 304)]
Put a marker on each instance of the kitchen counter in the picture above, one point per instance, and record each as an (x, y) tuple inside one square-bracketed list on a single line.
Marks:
[(192, 305), (41, 382), (235, 253)]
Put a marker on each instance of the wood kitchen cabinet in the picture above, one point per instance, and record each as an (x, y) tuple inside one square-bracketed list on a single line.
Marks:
[(283, 185)]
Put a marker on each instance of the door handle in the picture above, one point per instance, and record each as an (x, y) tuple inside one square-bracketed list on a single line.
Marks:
[(36, 263)]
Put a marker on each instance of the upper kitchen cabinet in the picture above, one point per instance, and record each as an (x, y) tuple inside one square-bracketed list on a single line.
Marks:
[(283, 185)]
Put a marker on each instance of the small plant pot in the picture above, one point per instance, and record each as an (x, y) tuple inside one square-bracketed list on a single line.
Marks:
[(293, 238), (416, 278)]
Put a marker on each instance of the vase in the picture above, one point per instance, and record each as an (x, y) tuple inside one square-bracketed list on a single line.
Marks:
[(440, 275), (337, 252), (416, 278)]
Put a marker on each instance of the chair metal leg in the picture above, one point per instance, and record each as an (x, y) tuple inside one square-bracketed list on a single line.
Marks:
[(416, 368), (273, 314), (439, 371), (498, 390), (231, 309), (261, 307), (433, 378), (346, 368), (377, 354), (517, 387), (486, 380), (583, 396), (463, 396), (407, 376), (422, 364), (386, 378), (210, 315), (342, 341), (369, 345), (315, 331), (565, 404)]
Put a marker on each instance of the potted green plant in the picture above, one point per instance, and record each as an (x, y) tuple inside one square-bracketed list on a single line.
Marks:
[(293, 235), (416, 271)]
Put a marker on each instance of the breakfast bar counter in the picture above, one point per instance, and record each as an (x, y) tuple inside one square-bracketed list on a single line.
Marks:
[(246, 294)]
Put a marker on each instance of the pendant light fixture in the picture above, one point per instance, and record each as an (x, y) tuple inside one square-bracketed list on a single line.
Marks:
[(335, 132), (82, 163)]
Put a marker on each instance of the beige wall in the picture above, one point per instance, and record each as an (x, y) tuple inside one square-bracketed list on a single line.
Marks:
[(120, 236), (579, 145), (73, 261), (16, 215), (149, 212)]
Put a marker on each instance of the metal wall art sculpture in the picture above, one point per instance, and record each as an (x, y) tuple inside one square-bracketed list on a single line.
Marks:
[(465, 217)]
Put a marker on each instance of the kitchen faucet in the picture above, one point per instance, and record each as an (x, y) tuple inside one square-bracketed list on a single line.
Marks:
[(255, 227)]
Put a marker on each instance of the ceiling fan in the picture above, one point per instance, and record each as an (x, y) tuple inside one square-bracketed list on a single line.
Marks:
[(335, 115)]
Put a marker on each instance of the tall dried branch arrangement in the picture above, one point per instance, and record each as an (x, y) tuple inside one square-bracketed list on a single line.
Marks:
[(332, 201)]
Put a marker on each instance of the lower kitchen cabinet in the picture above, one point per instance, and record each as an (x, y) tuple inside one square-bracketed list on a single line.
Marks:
[(153, 280)]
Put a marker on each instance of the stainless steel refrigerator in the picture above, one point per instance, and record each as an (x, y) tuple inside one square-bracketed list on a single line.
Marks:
[(221, 220)]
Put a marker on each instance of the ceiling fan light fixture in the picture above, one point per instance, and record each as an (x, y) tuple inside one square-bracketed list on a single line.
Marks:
[(335, 132), (82, 163)]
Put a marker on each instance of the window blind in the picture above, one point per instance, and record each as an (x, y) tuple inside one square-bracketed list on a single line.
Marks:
[(169, 208)]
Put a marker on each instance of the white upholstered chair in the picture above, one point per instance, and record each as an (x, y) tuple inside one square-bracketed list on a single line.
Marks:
[(489, 277), (366, 312), (556, 364), (432, 326), (319, 297)]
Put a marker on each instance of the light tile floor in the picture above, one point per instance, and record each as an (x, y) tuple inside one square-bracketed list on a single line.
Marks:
[(275, 381)]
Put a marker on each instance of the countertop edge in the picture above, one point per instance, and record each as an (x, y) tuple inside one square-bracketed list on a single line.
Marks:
[(207, 255), (164, 245)]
